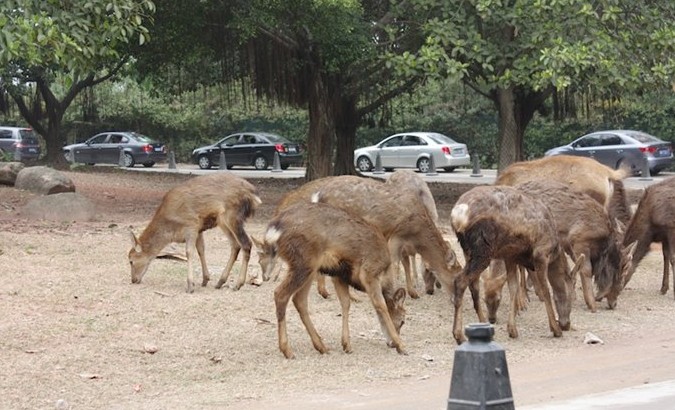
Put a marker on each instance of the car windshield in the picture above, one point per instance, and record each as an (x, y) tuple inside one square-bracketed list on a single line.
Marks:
[(141, 137), (275, 139), (643, 138), (441, 139), (28, 136)]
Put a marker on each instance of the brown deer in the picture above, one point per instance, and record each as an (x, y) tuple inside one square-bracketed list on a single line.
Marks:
[(500, 222), (187, 210), (654, 221), (586, 175), (584, 228), (320, 239), (402, 218)]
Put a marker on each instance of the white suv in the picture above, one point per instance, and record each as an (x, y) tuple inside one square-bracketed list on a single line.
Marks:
[(18, 144)]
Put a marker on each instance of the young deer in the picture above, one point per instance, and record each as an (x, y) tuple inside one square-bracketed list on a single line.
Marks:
[(187, 210), (584, 228), (318, 239), (499, 222), (402, 218), (654, 221)]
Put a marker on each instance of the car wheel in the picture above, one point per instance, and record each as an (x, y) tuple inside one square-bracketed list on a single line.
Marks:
[(423, 164), (204, 162), (654, 172), (260, 162), (285, 166), (149, 164), (364, 164), (449, 169), (389, 170), (129, 161), (229, 166)]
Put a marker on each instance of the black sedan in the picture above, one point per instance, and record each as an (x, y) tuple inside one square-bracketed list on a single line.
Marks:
[(107, 147), (255, 149)]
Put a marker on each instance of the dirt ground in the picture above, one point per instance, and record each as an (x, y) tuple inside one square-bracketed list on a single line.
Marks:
[(75, 333)]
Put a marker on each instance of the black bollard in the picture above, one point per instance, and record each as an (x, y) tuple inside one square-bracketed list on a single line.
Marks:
[(480, 376), (222, 163), (276, 167), (645, 175), (172, 160), (378, 165), (476, 166), (432, 167)]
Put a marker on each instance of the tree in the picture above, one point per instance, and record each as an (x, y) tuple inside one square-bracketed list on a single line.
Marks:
[(52, 50), (516, 53)]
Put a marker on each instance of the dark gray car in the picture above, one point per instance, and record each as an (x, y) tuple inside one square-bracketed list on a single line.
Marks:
[(621, 148), (18, 144), (107, 147)]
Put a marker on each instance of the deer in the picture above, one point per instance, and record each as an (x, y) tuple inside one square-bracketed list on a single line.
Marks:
[(500, 222), (403, 218), (319, 239), (584, 228), (654, 221), (189, 209)]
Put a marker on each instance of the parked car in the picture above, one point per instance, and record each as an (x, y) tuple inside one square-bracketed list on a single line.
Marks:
[(105, 148), (18, 143), (413, 150), (621, 148), (255, 149)]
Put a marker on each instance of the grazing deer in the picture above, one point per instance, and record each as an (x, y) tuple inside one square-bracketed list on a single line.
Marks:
[(320, 239), (500, 222), (584, 228), (186, 211), (586, 175), (402, 218), (654, 221)]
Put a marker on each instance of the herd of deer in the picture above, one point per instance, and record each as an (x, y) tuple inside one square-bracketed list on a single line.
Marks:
[(357, 230)]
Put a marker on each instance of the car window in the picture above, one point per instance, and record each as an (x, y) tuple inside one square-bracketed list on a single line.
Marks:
[(99, 139), (411, 140), (231, 140), (441, 139), (589, 141), (392, 142), (116, 139), (610, 139), (6, 134), (28, 136), (142, 138), (642, 137), (247, 139), (274, 139)]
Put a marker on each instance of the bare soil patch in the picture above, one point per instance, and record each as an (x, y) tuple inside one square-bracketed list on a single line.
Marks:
[(75, 332)]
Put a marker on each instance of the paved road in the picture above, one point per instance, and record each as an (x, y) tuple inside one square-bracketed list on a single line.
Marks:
[(461, 175)]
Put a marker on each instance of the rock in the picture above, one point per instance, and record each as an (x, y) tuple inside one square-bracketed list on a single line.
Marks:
[(591, 339), (66, 206), (43, 180), (9, 171)]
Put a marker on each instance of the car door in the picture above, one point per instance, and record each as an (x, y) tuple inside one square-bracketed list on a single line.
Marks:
[(611, 150), (246, 148), (110, 150), (90, 152), (586, 146), (389, 151), (411, 147), (228, 145)]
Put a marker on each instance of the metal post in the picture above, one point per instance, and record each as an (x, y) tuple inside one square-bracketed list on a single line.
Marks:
[(120, 161), (476, 166), (222, 164), (172, 160), (645, 174), (432, 166), (276, 167), (17, 155), (378, 165), (480, 376)]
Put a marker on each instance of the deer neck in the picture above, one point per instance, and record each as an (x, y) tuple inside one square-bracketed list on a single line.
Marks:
[(153, 240)]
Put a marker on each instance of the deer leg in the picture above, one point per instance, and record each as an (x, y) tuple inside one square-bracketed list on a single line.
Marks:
[(523, 297), (512, 274), (200, 251), (461, 283), (494, 283), (429, 281), (282, 294), (586, 274), (342, 291), (244, 243), (321, 286), (300, 302), (666, 268), (234, 252), (374, 290), (190, 250), (540, 279), (474, 288)]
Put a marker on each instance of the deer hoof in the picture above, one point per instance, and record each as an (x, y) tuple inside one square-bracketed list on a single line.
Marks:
[(413, 294)]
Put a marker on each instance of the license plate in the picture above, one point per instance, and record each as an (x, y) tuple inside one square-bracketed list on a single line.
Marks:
[(292, 149), (664, 152), (458, 151), (32, 150), (158, 149)]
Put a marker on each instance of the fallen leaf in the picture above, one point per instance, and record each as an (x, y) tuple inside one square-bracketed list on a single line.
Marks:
[(90, 376)]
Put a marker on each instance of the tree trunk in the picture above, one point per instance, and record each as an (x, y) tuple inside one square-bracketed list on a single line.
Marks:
[(321, 130), (55, 142), (510, 129), (346, 123)]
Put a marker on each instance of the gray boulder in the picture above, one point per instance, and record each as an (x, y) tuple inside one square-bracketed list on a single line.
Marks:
[(43, 181), (62, 207), (9, 171)]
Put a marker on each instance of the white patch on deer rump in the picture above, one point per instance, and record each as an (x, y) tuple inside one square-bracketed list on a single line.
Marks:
[(459, 217)]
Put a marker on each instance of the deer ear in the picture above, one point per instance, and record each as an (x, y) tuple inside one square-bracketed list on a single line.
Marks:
[(399, 296), (134, 241), (620, 227), (629, 250)]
